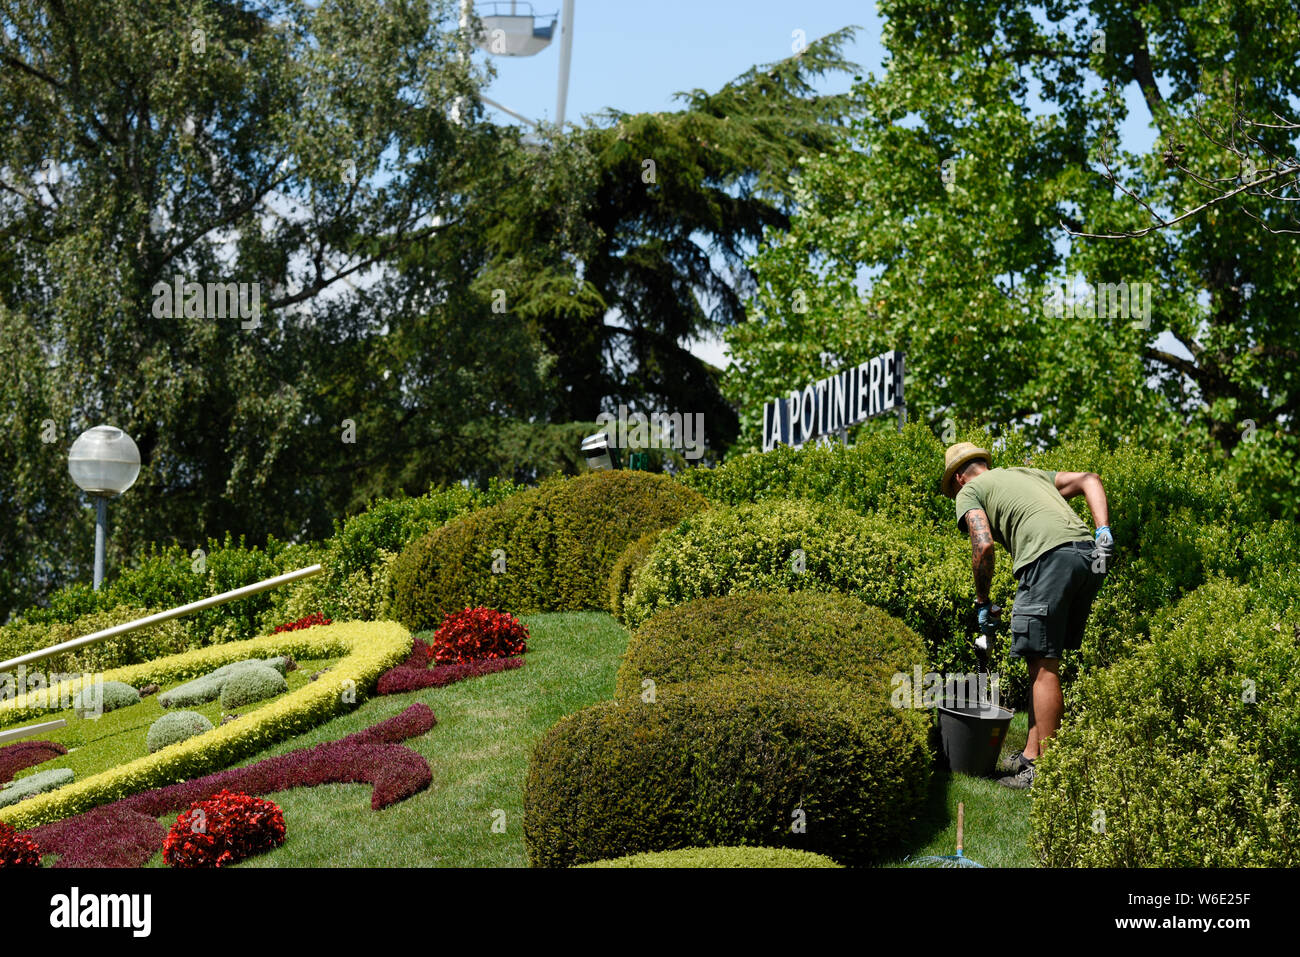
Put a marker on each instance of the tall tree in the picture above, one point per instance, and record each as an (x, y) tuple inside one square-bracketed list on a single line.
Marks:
[(298, 148), (640, 246), (943, 222)]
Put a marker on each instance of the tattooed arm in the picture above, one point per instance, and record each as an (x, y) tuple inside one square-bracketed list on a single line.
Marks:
[(981, 543)]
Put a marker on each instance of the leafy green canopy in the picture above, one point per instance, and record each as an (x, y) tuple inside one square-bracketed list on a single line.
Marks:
[(939, 225)]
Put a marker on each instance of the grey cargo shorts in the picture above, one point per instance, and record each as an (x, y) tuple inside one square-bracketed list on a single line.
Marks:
[(1053, 600)]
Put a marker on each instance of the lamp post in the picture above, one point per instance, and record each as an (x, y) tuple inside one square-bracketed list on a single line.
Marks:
[(105, 463)]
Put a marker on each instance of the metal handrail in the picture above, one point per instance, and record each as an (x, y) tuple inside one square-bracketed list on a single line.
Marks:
[(167, 615)]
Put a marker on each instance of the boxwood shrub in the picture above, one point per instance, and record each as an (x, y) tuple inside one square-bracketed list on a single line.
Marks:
[(175, 726), (628, 564), (559, 543), (720, 857), (1185, 753), (247, 685), (765, 760), (822, 635), (921, 578)]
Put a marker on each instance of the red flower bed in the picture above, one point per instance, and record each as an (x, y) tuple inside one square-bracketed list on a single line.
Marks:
[(478, 633), (17, 850), (126, 833), (26, 754), (222, 830), (314, 619), (414, 673)]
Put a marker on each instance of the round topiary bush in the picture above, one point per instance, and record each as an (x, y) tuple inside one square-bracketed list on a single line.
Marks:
[(628, 564), (1185, 753), (821, 635), (545, 549), (175, 727), (720, 857), (763, 760), (199, 691), (247, 685), (97, 699), (920, 577)]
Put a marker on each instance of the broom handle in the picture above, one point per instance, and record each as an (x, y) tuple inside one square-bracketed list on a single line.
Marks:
[(961, 823)]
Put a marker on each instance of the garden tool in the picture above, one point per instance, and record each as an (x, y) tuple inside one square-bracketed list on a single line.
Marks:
[(950, 860)]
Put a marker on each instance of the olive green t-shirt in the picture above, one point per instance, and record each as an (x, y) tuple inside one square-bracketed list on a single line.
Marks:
[(1027, 514)]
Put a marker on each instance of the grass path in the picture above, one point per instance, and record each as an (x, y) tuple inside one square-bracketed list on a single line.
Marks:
[(997, 818), (478, 753)]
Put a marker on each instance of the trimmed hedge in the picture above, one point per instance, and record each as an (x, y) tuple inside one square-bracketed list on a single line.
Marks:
[(39, 783), (559, 543), (248, 685), (174, 727), (1187, 752), (720, 857), (101, 699), (820, 635), (764, 760), (920, 578), (369, 649), (628, 564)]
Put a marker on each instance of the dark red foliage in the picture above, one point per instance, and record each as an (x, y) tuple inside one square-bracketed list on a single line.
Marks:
[(478, 633), (26, 754), (126, 832), (306, 622), (402, 679), (17, 850), (222, 830)]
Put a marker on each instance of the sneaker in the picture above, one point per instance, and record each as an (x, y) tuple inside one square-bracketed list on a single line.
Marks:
[(1021, 780), (1016, 762)]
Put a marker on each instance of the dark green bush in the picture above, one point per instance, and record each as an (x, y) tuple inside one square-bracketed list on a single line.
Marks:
[(175, 726), (558, 541), (883, 473), (821, 635), (721, 857), (919, 577), (1185, 753), (250, 684), (764, 760), (628, 564)]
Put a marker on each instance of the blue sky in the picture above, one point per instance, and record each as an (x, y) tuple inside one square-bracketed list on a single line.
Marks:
[(634, 56)]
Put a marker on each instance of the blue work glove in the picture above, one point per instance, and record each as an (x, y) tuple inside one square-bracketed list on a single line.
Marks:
[(989, 616), (1105, 540)]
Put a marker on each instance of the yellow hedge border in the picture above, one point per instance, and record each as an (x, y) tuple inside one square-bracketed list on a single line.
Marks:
[(370, 648)]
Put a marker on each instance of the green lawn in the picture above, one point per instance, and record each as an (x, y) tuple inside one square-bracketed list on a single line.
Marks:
[(997, 818)]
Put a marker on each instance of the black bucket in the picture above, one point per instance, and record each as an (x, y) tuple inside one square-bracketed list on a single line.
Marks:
[(973, 737)]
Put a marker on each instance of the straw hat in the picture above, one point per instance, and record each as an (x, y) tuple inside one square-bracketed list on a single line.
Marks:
[(957, 456)]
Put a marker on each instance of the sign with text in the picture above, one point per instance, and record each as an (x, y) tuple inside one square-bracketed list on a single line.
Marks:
[(872, 388)]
